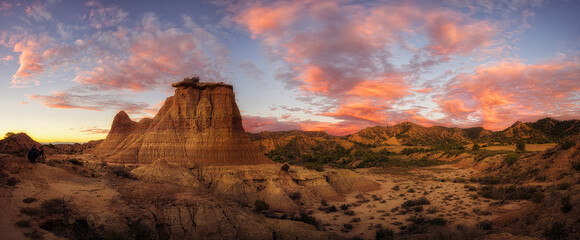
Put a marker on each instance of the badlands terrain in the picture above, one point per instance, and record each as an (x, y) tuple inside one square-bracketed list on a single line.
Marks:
[(192, 172)]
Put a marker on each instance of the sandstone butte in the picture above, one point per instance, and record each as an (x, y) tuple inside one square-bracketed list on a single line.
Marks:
[(200, 125)]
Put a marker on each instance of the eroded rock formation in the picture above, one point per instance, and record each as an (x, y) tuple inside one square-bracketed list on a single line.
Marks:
[(200, 125)]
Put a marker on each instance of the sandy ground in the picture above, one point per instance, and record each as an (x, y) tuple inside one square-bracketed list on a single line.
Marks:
[(449, 200), (44, 182)]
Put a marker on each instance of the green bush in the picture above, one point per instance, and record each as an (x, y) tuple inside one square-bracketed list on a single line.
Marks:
[(511, 158)]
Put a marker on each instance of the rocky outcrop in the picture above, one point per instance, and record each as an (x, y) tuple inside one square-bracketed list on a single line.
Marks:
[(18, 144), (163, 171), (200, 125)]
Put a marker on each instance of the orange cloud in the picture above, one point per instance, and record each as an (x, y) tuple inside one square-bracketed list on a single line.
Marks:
[(505, 92), (30, 59)]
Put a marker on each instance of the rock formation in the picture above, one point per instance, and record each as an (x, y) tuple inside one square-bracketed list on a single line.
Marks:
[(199, 125)]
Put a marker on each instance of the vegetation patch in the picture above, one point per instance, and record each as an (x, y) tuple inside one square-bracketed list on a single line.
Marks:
[(416, 202), (508, 192)]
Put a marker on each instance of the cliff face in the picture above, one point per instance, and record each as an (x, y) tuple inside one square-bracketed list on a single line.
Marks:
[(200, 125)]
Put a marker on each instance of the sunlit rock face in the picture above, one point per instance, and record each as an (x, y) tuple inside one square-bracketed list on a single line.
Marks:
[(200, 125)]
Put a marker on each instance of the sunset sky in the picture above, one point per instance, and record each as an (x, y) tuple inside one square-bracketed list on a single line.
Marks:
[(67, 67)]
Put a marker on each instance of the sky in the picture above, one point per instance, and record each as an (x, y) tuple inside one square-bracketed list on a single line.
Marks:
[(67, 67)]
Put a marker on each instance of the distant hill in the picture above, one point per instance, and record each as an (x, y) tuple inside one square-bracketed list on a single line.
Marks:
[(407, 133)]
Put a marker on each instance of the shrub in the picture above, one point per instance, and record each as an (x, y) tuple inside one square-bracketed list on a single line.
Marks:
[(566, 206), (139, 230), (260, 205), (576, 166), (537, 197), (475, 147), (567, 143), (396, 188), (347, 226), (23, 224), (416, 202), (485, 225), (418, 209), (511, 158), (75, 161), (285, 167), (563, 186), (29, 200), (438, 221), (432, 210), (30, 211), (349, 212), (508, 193), (323, 202), (295, 195), (384, 234), (12, 181), (556, 231), (55, 206), (344, 207), (307, 219), (521, 146), (122, 171)]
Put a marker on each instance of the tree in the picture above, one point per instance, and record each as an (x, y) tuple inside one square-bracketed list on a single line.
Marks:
[(475, 147), (521, 146)]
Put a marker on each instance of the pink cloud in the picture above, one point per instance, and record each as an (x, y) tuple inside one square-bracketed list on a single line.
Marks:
[(91, 130), (340, 53), (88, 102), (104, 17), (499, 94), (156, 55), (449, 34), (4, 6), (30, 59), (261, 124)]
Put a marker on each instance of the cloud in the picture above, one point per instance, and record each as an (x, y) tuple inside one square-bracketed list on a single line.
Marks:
[(6, 59), (91, 130), (504, 92), (449, 34), (339, 54), (105, 17), (38, 13), (155, 56), (251, 70), (94, 102), (30, 59), (4, 6), (261, 124)]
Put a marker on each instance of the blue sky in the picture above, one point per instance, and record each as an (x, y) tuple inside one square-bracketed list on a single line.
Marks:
[(67, 67)]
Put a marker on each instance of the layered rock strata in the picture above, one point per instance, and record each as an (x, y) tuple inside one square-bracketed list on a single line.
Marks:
[(200, 125)]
